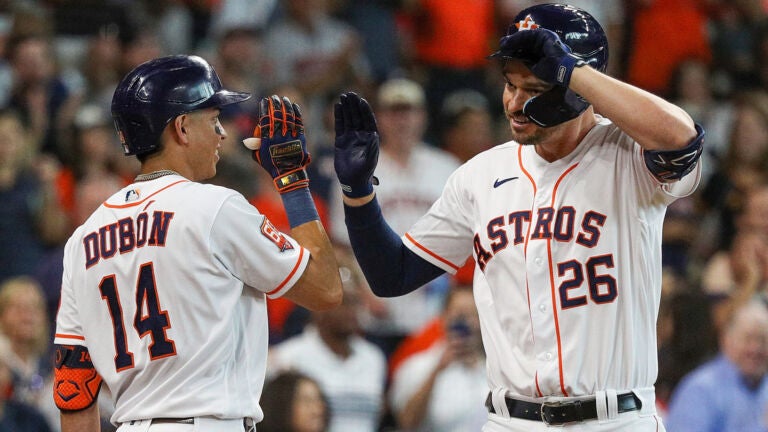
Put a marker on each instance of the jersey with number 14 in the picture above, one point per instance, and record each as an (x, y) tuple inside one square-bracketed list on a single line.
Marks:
[(568, 275), (165, 285)]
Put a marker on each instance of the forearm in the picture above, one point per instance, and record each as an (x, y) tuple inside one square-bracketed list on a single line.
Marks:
[(86, 420), (389, 266), (416, 409), (650, 120), (320, 286)]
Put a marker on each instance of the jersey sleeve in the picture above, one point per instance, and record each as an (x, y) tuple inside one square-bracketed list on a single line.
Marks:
[(443, 236), (250, 247), (69, 330)]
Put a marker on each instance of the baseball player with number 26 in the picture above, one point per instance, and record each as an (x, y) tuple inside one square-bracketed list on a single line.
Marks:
[(564, 223), (164, 286)]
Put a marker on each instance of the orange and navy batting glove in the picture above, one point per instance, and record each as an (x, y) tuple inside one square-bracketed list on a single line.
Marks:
[(283, 151)]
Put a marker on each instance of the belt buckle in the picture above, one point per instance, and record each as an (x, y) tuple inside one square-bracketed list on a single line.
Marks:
[(548, 418)]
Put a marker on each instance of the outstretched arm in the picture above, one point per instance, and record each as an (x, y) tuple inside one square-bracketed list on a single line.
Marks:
[(389, 266)]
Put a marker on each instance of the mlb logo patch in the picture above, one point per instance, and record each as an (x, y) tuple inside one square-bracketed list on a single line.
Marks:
[(132, 195)]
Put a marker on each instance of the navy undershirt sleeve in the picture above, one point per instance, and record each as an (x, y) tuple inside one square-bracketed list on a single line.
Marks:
[(389, 266)]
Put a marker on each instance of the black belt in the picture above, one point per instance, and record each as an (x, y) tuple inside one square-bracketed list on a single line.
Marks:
[(247, 422), (190, 420), (562, 412)]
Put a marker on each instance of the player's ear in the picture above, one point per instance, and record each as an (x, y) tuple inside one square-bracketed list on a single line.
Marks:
[(179, 128)]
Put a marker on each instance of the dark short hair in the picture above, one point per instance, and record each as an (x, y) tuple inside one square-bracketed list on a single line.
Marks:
[(277, 400)]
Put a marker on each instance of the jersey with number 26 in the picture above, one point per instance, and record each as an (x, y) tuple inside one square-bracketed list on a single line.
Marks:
[(568, 273), (165, 285)]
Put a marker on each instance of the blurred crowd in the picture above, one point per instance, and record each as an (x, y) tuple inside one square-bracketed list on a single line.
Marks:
[(416, 362)]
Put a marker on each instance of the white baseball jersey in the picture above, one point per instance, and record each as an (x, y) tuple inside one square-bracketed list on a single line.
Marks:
[(568, 276), (165, 284)]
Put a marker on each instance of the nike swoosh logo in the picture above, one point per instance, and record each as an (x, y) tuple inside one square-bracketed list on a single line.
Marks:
[(498, 182)]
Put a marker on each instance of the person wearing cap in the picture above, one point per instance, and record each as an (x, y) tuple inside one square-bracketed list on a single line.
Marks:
[(163, 294), (412, 174)]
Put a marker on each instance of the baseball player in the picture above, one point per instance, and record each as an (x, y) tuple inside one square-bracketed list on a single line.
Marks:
[(164, 286), (564, 223)]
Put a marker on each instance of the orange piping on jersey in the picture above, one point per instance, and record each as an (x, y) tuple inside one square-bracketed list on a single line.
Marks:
[(142, 201), (552, 286), (69, 336), (525, 249), (536, 380), (290, 275), (147, 206), (430, 253)]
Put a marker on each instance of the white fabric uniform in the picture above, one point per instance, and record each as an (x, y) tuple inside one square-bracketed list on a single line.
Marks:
[(405, 194), (568, 279), (456, 400), (199, 260), (353, 385)]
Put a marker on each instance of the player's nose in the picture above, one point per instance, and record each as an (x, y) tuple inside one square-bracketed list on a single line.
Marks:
[(516, 101)]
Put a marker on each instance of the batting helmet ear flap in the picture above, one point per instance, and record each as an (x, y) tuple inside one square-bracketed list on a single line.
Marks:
[(555, 106)]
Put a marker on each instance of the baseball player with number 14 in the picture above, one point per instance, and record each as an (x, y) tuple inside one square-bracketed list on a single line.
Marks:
[(564, 223), (164, 286)]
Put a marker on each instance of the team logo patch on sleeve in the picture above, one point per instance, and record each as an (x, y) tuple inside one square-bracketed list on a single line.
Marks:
[(275, 236)]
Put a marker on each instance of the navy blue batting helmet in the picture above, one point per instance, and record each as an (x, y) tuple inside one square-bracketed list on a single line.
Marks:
[(156, 92), (586, 39), (575, 27)]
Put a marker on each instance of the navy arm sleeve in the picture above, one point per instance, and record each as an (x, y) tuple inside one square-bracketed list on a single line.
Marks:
[(389, 266)]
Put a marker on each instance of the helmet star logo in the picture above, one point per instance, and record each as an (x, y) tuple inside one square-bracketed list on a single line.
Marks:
[(526, 24)]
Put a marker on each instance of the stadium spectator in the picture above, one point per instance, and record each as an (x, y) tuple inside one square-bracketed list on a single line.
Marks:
[(294, 402), (16, 416), (466, 124), (730, 392), (316, 52), (31, 217), (740, 273), (665, 33), (24, 329), (47, 106), (450, 42), (442, 389), (350, 370), (745, 165)]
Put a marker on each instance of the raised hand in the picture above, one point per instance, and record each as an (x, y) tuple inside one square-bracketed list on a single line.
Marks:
[(545, 54), (356, 145), (282, 150)]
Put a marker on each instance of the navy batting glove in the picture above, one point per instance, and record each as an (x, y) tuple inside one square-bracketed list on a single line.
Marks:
[(283, 152), (356, 145), (545, 54)]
